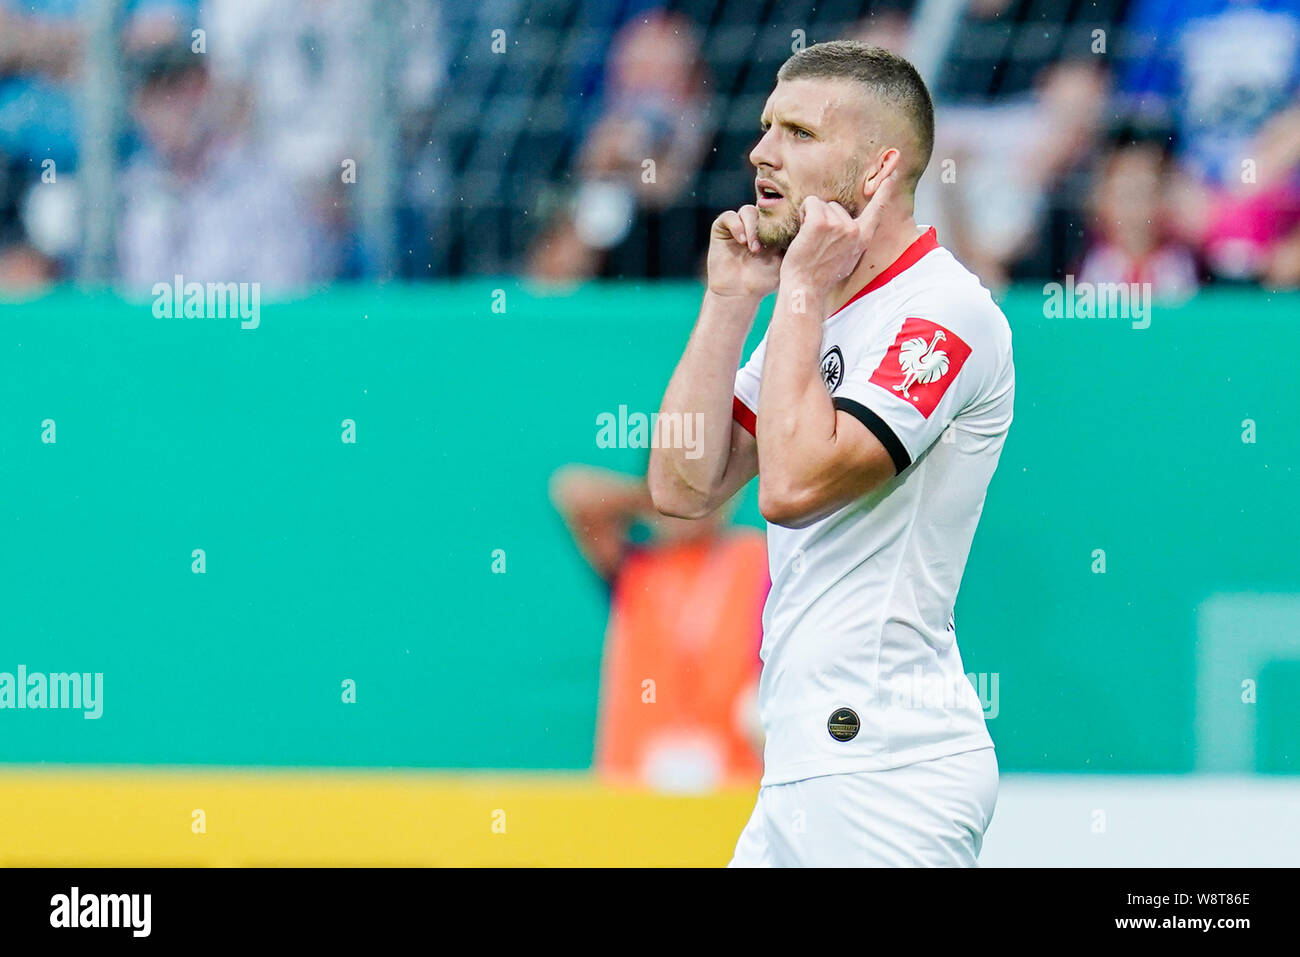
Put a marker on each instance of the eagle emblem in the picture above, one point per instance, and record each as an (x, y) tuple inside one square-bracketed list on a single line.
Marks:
[(833, 368)]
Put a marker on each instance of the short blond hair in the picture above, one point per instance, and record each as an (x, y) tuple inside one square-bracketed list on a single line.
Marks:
[(889, 77)]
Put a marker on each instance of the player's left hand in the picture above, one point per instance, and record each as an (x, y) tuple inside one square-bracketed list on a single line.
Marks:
[(831, 241)]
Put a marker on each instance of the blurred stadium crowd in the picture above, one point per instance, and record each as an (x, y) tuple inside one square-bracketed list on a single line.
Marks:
[(300, 142)]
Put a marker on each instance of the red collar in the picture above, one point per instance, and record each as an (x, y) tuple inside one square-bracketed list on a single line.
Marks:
[(926, 242)]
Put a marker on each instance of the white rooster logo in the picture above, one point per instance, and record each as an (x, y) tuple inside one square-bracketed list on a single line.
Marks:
[(923, 363)]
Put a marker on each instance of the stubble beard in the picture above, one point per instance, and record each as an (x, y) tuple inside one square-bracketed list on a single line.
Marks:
[(778, 228)]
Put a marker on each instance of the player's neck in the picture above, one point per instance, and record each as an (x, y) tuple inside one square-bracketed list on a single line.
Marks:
[(890, 242)]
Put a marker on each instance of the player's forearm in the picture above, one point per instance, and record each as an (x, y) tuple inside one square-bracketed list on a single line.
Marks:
[(796, 418), (587, 493), (683, 480)]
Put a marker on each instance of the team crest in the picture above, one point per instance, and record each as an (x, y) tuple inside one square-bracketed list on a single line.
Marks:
[(833, 368)]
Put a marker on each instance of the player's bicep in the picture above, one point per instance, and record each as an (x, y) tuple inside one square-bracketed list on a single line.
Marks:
[(858, 464), (864, 459)]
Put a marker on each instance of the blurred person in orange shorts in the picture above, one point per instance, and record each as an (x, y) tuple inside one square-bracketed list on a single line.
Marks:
[(678, 693)]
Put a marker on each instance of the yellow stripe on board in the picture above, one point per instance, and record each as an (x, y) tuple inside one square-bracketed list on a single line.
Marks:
[(143, 818)]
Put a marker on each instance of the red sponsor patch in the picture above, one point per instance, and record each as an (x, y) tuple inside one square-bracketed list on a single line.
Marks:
[(921, 364)]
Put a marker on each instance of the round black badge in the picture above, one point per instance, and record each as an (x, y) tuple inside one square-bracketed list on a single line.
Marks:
[(833, 368), (843, 724)]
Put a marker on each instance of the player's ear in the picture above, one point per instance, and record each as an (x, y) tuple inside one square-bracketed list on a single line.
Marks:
[(888, 162)]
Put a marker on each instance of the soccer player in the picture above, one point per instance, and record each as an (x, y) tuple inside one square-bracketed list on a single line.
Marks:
[(873, 413)]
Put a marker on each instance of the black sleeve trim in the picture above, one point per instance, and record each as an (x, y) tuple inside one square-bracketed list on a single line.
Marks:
[(879, 428)]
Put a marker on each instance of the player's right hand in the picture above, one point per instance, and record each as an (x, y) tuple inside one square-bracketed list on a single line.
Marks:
[(738, 264)]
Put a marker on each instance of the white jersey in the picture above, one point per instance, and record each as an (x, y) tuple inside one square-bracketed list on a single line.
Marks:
[(860, 663)]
